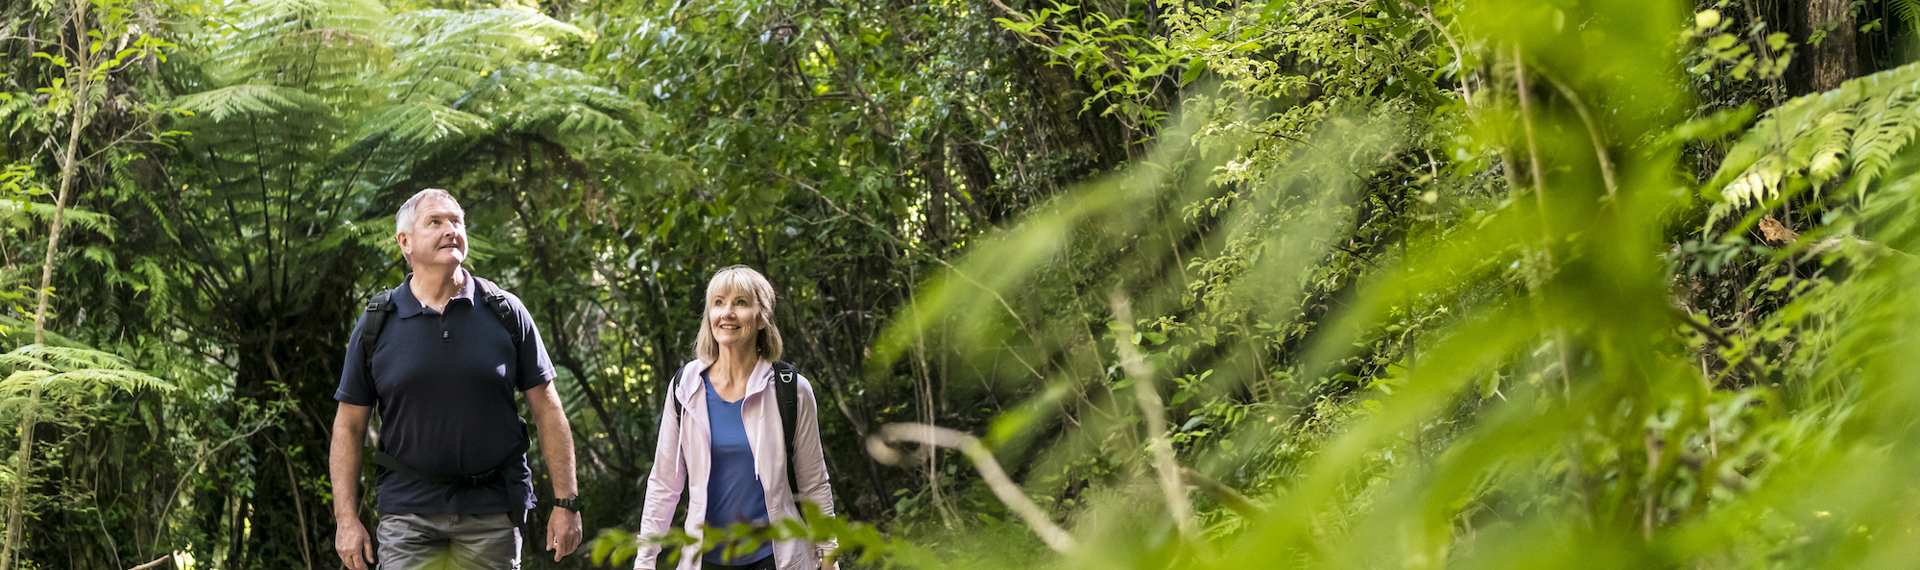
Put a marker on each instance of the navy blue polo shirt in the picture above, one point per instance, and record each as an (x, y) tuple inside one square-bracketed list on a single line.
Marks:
[(444, 384)]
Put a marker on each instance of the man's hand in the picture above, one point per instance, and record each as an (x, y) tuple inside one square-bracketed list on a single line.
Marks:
[(829, 564), (556, 446), (351, 542), (350, 539), (563, 532)]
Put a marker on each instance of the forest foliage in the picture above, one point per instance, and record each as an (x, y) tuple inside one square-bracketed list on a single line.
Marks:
[(1329, 283)]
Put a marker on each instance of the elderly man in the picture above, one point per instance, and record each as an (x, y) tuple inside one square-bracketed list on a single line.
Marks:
[(442, 356)]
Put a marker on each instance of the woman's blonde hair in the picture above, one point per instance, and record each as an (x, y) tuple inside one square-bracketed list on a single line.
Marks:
[(733, 279)]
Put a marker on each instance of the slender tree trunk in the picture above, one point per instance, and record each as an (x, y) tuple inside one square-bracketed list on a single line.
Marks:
[(21, 463), (23, 458), (1834, 60)]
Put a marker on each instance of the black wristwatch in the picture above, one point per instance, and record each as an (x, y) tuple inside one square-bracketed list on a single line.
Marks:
[(571, 503)]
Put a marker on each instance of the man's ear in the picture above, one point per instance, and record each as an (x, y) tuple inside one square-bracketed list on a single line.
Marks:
[(406, 245)]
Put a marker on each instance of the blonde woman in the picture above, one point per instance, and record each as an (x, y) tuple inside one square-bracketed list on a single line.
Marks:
[(723, 438)]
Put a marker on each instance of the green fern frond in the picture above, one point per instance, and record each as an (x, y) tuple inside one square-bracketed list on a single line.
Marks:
[(423, 124), (1892, 129), (20, 382), (220, 104), (156, 283), (323, 47), (23, 211), (99, 381), (1760, 182), (67, 371), (61, 358), (99, 255), (422, 28), (555, 101), (461, 48), (1858, 127), (1908, 11), (1827, 152), (10, 407), (353, 15), (11, 106)]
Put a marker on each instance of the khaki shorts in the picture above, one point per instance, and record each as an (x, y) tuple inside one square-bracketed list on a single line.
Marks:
[(449, 542)]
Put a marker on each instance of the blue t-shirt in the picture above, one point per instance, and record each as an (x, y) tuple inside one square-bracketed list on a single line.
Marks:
[(734, 495), (444, 385)]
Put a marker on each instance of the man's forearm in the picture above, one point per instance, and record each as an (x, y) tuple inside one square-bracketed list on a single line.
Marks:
[(346, 483), (556, 447), (343, 465)]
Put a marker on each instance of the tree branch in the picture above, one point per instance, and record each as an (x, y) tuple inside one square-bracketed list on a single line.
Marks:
[(997, 480)]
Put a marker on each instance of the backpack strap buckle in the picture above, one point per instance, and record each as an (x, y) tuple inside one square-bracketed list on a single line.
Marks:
[(485, 479), (786, 397)]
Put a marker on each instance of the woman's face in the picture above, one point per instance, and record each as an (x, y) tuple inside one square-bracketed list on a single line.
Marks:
[(735, 319)]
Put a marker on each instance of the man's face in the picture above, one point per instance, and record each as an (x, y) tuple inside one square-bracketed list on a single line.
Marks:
[(439, 234)]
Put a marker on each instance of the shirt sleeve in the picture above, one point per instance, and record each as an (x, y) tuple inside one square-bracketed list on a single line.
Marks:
[(664, 484), (536, 368), (810, 462), (356, 386)]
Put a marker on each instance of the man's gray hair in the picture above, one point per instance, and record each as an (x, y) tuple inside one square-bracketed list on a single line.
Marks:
[(403, 220)]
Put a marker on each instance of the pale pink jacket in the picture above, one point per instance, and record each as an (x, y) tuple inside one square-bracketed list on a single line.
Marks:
[(683, 459)]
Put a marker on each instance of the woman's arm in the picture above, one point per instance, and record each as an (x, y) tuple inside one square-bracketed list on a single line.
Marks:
[(810, 462), (664, 483)]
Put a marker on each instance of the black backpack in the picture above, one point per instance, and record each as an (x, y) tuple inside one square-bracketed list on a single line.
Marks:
[(378, 309), (786, 394)]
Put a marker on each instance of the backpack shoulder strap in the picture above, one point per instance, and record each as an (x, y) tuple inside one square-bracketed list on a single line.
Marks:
[(373, 319), (496, 300), (787, 394)]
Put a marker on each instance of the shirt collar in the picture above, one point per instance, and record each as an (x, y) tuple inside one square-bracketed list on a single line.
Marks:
[(691, 383), (407, 305)]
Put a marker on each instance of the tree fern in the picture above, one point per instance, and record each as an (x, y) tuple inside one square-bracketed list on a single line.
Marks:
[(348, 93)]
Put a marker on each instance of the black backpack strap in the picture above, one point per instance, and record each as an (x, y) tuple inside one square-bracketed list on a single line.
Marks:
[(451, 483), (372, 321), (496, 300), (786, 393)]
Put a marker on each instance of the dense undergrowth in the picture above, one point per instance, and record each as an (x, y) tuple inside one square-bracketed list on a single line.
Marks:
[(1333, 283)]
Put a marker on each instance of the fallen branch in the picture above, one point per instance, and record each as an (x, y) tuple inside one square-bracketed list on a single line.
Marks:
[(1156, 414), (880, 446)]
